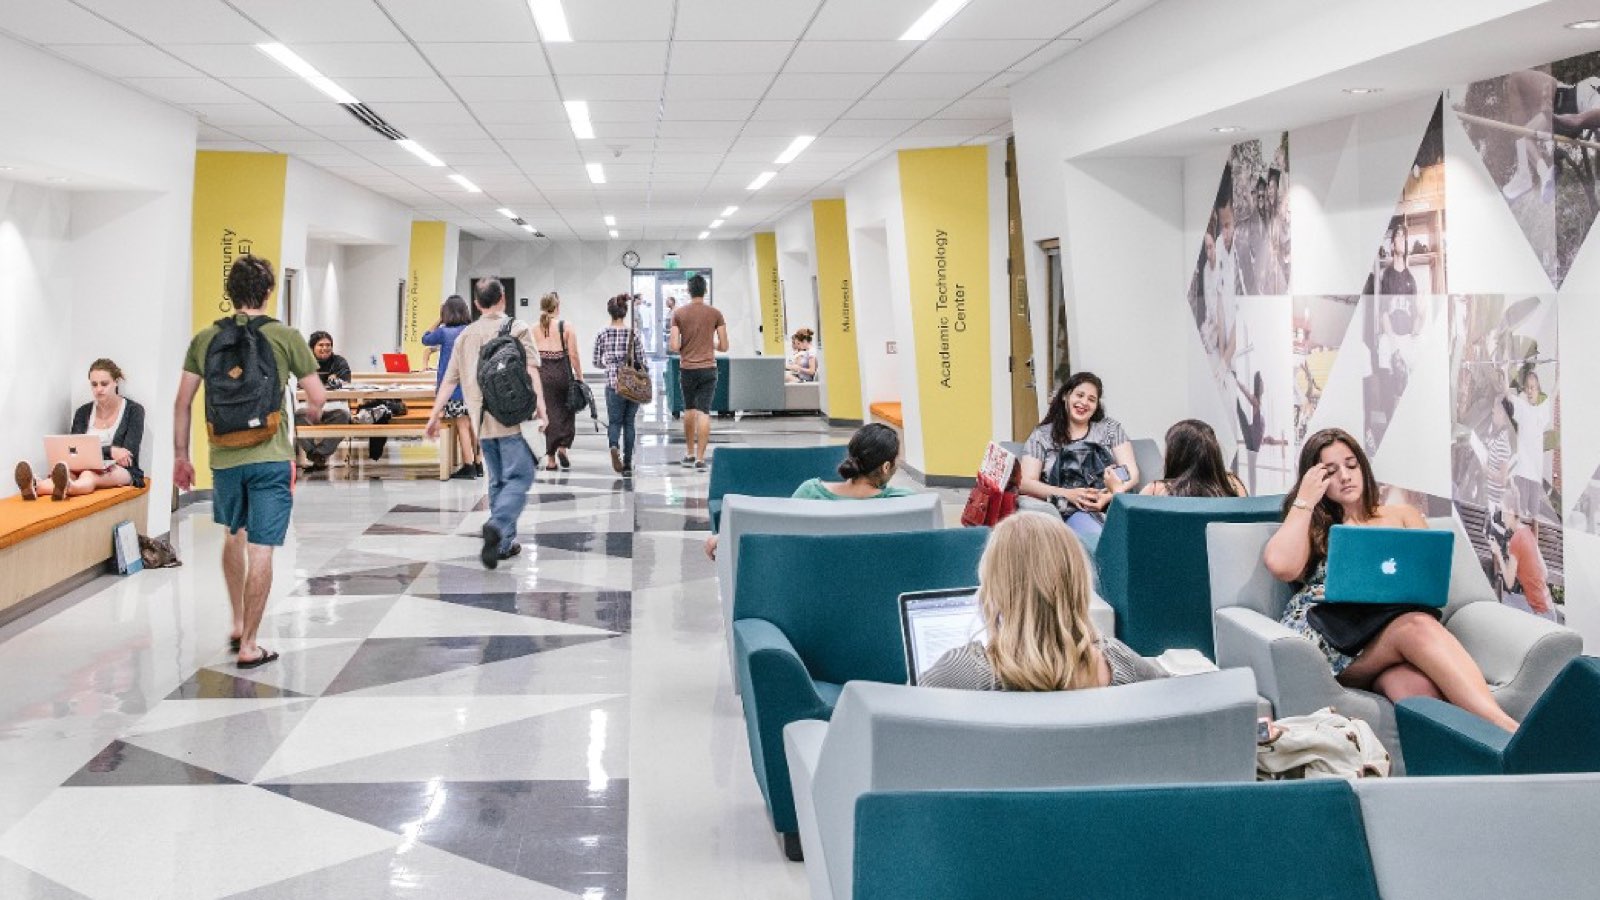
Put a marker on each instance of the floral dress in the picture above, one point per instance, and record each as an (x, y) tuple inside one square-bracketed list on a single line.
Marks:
[(1294, 618)]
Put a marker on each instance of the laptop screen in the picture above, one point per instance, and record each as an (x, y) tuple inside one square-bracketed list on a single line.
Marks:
[(935, 622)]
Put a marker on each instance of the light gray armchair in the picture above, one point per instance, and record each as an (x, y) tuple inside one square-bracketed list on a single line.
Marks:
[(893, 738), (1519, 653), (743, 515)]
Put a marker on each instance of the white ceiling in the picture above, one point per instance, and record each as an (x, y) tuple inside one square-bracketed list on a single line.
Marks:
[(690, 99)]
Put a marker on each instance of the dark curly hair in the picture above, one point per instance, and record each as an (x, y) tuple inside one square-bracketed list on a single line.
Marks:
[(318, 337), (250, 282), (1056, 416)]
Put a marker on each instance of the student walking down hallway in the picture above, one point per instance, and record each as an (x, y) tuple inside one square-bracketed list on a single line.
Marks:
[(699, 333)]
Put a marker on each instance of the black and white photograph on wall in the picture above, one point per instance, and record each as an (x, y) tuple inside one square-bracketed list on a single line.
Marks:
[(1320, 324), (1538, 134), (1411, 255), (1505, 450), (1391, 337), (1262, 402)]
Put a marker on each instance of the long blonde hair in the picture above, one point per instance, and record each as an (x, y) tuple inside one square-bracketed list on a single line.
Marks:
[(1035, 590), (549, 304)]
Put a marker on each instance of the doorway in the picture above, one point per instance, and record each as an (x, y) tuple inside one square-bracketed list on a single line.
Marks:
[(661, 291), (509, 282)]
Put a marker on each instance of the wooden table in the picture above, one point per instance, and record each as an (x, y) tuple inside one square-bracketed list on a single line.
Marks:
[(424, 377), (410, 393), (419, 396)]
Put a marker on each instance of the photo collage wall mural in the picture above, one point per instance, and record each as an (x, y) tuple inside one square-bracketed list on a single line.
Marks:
[(1429, 381)]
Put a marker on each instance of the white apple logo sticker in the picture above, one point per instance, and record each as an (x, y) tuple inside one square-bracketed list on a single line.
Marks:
[(1389, 566)]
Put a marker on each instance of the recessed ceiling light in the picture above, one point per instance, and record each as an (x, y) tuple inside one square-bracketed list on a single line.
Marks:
[(729, 211), (578, 115), (291, 61), (704, 235), (462, 180), (1363, 90), (506, 212), (933, 20), (613, 232), (417, 150), (58, 179), (1584, 25), (7, 168), (716, 223), (795, 148), (761, 181), (551, 20), (611, 221), (1227, 129), (597, 173)]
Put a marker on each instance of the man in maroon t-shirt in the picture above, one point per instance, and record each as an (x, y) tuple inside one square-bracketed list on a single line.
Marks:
[(698, 333)]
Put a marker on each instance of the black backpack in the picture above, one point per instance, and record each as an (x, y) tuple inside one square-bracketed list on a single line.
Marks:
[(1082, 464), (503, 379), (244, 399)]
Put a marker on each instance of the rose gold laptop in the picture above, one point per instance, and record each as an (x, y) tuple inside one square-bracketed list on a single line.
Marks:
[(81, 452)]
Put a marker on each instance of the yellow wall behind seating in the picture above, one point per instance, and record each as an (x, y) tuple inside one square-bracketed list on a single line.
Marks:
[(944, 196)]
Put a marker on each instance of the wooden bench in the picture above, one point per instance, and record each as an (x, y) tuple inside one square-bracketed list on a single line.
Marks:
[(405, 427), (888, 413), (44, 542)]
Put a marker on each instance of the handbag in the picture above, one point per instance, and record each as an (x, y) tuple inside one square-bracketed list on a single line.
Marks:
[(994, 496), (1349, 627), (578, 394), (633, 379)]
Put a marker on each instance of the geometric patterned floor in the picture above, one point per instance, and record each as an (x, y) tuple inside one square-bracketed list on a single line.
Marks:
[(432, 729)]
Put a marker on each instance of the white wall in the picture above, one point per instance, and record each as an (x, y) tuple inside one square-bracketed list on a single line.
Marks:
[(100, 267), (587, 273), (371, 300), (320, 304), (797, 270)]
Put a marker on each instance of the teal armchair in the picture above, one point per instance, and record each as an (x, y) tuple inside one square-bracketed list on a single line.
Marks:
[(1153, 566), (767, 472), (1560, 733), (812, 612)]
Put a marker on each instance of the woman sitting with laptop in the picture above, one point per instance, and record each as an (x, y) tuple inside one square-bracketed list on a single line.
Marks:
[(1034, 583), (1397, 650), (119, 424)]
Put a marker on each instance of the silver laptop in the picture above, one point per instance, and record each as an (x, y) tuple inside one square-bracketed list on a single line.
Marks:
[(936, 622), (81, 452)]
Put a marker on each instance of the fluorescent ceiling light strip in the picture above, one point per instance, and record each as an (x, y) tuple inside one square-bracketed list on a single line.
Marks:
[(506, 212), (462, 180), (597, 173), (420, 152), (528, 228), (611, 221), (931, 21), (551, 21), (795, 148), (716, 223), (729, 211), (761, 181), (704, 235), (291, 61), (578, 115)]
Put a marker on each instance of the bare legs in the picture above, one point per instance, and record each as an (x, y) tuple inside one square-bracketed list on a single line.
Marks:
[(704, 424), (468, 440), (1418, 645), (696, 433), (247, 568), (89, 482)]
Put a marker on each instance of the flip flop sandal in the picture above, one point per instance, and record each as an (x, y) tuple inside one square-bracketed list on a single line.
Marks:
[(233, 644), (265, 657)]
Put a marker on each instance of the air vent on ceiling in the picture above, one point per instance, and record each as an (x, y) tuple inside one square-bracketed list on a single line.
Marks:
[(373, 120)]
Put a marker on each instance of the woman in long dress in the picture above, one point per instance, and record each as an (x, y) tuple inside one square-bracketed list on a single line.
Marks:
[(559, 363)]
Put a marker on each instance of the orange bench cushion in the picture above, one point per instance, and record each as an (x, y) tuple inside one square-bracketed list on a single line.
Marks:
[(889, 412), (22, 519)]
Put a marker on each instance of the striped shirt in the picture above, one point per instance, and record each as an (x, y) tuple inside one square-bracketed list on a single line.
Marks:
[(1494, 486), (967, 668), (611, 351)]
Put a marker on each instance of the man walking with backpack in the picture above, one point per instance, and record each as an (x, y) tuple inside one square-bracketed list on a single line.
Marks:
[(245, 362), (497, 368)]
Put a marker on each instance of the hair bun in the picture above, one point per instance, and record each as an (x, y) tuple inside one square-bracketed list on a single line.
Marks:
[(850, 469)]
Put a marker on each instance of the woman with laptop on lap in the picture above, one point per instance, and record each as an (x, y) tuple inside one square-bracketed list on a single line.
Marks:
[(1034, 583), (117, 422), (1399, 651)]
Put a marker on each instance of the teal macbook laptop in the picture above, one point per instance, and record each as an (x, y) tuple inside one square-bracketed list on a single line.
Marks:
[(1389, 565)]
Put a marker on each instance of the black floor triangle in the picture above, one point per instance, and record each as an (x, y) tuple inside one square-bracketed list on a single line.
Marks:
[(383, 529), (124, 765), (618, 544), (385, 580), (209, 684), (611, 610), (572, 835), (383, 661)]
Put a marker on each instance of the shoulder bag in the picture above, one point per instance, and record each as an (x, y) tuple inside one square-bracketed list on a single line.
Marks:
[(578, 394), (633, 378)]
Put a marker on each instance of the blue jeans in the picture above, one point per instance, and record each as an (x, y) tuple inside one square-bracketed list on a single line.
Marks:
[(510, 464), (620, 413), (1087, 527)]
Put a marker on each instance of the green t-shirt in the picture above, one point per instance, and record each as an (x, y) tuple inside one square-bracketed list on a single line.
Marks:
[(294, 358), (813, 490)]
